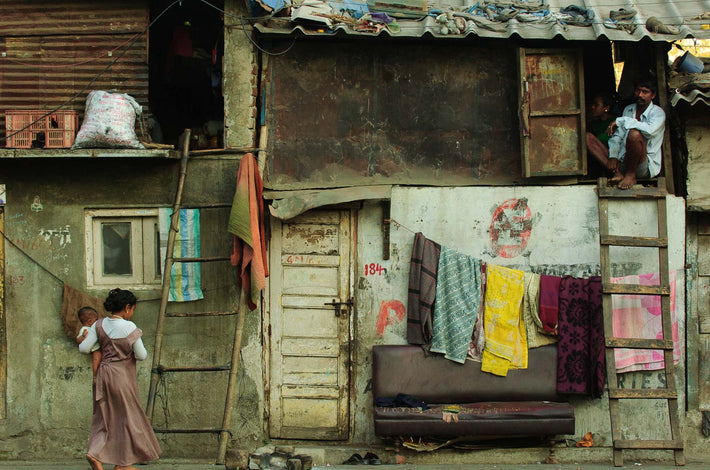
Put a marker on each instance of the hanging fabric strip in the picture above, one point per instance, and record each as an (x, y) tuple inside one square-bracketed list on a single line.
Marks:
[(458, 299), (506, 343), (186, 278), (423, 272), (639, 316), (580, 350)]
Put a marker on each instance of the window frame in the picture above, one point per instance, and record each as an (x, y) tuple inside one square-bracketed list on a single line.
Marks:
[(145, 249)]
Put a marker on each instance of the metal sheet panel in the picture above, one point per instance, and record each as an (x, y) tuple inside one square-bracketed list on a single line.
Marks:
[(347, 114), (674, 13), (23, 18), (552, 112), (71, 43)]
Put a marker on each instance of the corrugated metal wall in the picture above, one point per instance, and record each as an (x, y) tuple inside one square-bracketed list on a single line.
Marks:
[(53, 49)]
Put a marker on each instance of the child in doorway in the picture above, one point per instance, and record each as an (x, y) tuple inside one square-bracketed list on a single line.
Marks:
[(87, 317)]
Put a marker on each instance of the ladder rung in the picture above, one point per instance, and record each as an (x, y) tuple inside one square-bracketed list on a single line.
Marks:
[(199, 314), (206, 206), (647, 444), (615, 288), (201, 260), (645, 393), (188, 430), (633, 193), (639, 343), (193, 369), (618, 240)]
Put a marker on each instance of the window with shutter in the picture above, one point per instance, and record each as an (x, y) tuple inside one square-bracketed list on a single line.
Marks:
[(552, 117)]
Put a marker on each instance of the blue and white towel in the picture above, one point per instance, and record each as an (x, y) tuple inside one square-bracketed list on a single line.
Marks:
[(458, 300), (186, 279)]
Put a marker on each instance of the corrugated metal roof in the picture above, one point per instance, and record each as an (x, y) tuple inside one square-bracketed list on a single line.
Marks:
[(690, 19), (52, 49), (693, 97)]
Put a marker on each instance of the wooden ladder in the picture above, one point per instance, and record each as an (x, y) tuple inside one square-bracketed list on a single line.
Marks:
[(158, 369), (669, 393)]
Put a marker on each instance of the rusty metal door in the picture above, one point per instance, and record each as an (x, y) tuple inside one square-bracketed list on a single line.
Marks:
[(309, 326), (552, 118)]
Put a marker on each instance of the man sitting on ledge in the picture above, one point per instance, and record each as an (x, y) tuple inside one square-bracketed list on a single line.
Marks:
[(636, 138)]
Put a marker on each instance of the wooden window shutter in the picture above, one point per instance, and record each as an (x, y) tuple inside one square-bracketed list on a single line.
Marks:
[(552, 117)]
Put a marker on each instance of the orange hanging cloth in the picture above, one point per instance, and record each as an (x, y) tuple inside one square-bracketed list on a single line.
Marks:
[(246, 223)]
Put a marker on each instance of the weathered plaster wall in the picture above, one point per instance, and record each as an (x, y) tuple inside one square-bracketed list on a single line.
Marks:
[(563, 239), (240, 79), (48, 407)]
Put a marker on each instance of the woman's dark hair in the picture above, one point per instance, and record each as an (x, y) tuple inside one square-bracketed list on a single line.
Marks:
[(118, 299), (608, 98)]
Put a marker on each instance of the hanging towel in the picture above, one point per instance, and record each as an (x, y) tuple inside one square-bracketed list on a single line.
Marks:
[(458, 299), (549, 303), (246, 223), (423, 269), (506, 345), (478, 340), (639, 316), (186, 278), (580, 350), (72, 300), (531, 299)]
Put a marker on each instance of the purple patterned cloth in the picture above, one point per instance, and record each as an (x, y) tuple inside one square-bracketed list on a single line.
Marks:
[(580, 350)]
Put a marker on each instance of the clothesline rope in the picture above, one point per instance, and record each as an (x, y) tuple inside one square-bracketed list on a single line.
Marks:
[(18, 248), (414, 232)]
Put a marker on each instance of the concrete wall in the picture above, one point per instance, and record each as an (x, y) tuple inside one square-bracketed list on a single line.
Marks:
[(48, 397), (563, 239)]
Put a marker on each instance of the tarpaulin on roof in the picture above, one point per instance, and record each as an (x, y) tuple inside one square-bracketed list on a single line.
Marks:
[(659, 20)]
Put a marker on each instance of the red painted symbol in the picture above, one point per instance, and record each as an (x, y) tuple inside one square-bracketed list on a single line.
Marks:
[(385, 318), (510, 228)]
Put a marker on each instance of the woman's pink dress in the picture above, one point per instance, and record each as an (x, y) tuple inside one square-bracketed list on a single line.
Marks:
[(120, 431)]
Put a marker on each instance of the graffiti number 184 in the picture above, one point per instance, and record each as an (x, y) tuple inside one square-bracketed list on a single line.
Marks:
[(374, 268)]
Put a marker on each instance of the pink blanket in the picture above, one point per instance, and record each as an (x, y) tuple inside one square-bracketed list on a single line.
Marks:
[(639, 316)]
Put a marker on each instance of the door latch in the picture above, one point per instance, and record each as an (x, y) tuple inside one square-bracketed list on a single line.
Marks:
[(341, 307)]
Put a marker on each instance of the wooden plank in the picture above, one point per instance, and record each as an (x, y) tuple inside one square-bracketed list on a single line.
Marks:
[(639, 343), (193, 368), (201, 260), (197, 314), (618, 240), (692, 336), (648, 444), (612, 288), (524, 105), (641, 393), (703, 374), (187, 430), (570, 112), (633, 193), (661, 58), (703, 253)]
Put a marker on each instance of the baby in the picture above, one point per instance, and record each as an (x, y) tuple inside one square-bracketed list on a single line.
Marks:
[(87, 317)]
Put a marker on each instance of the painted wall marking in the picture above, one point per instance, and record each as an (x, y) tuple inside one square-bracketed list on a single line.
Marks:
[(511, 225), (374, 269), (391, 313), (61, 233)]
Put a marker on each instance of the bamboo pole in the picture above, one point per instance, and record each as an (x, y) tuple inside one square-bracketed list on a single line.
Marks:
[(232, 384)]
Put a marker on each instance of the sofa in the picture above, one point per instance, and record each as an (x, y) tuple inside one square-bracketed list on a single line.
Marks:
[(525, 403)]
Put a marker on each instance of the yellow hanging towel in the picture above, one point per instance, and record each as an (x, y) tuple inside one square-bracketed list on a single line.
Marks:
[(506, 342)]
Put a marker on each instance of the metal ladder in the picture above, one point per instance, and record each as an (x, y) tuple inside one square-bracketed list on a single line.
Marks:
[(669, 393), (158, 369)]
